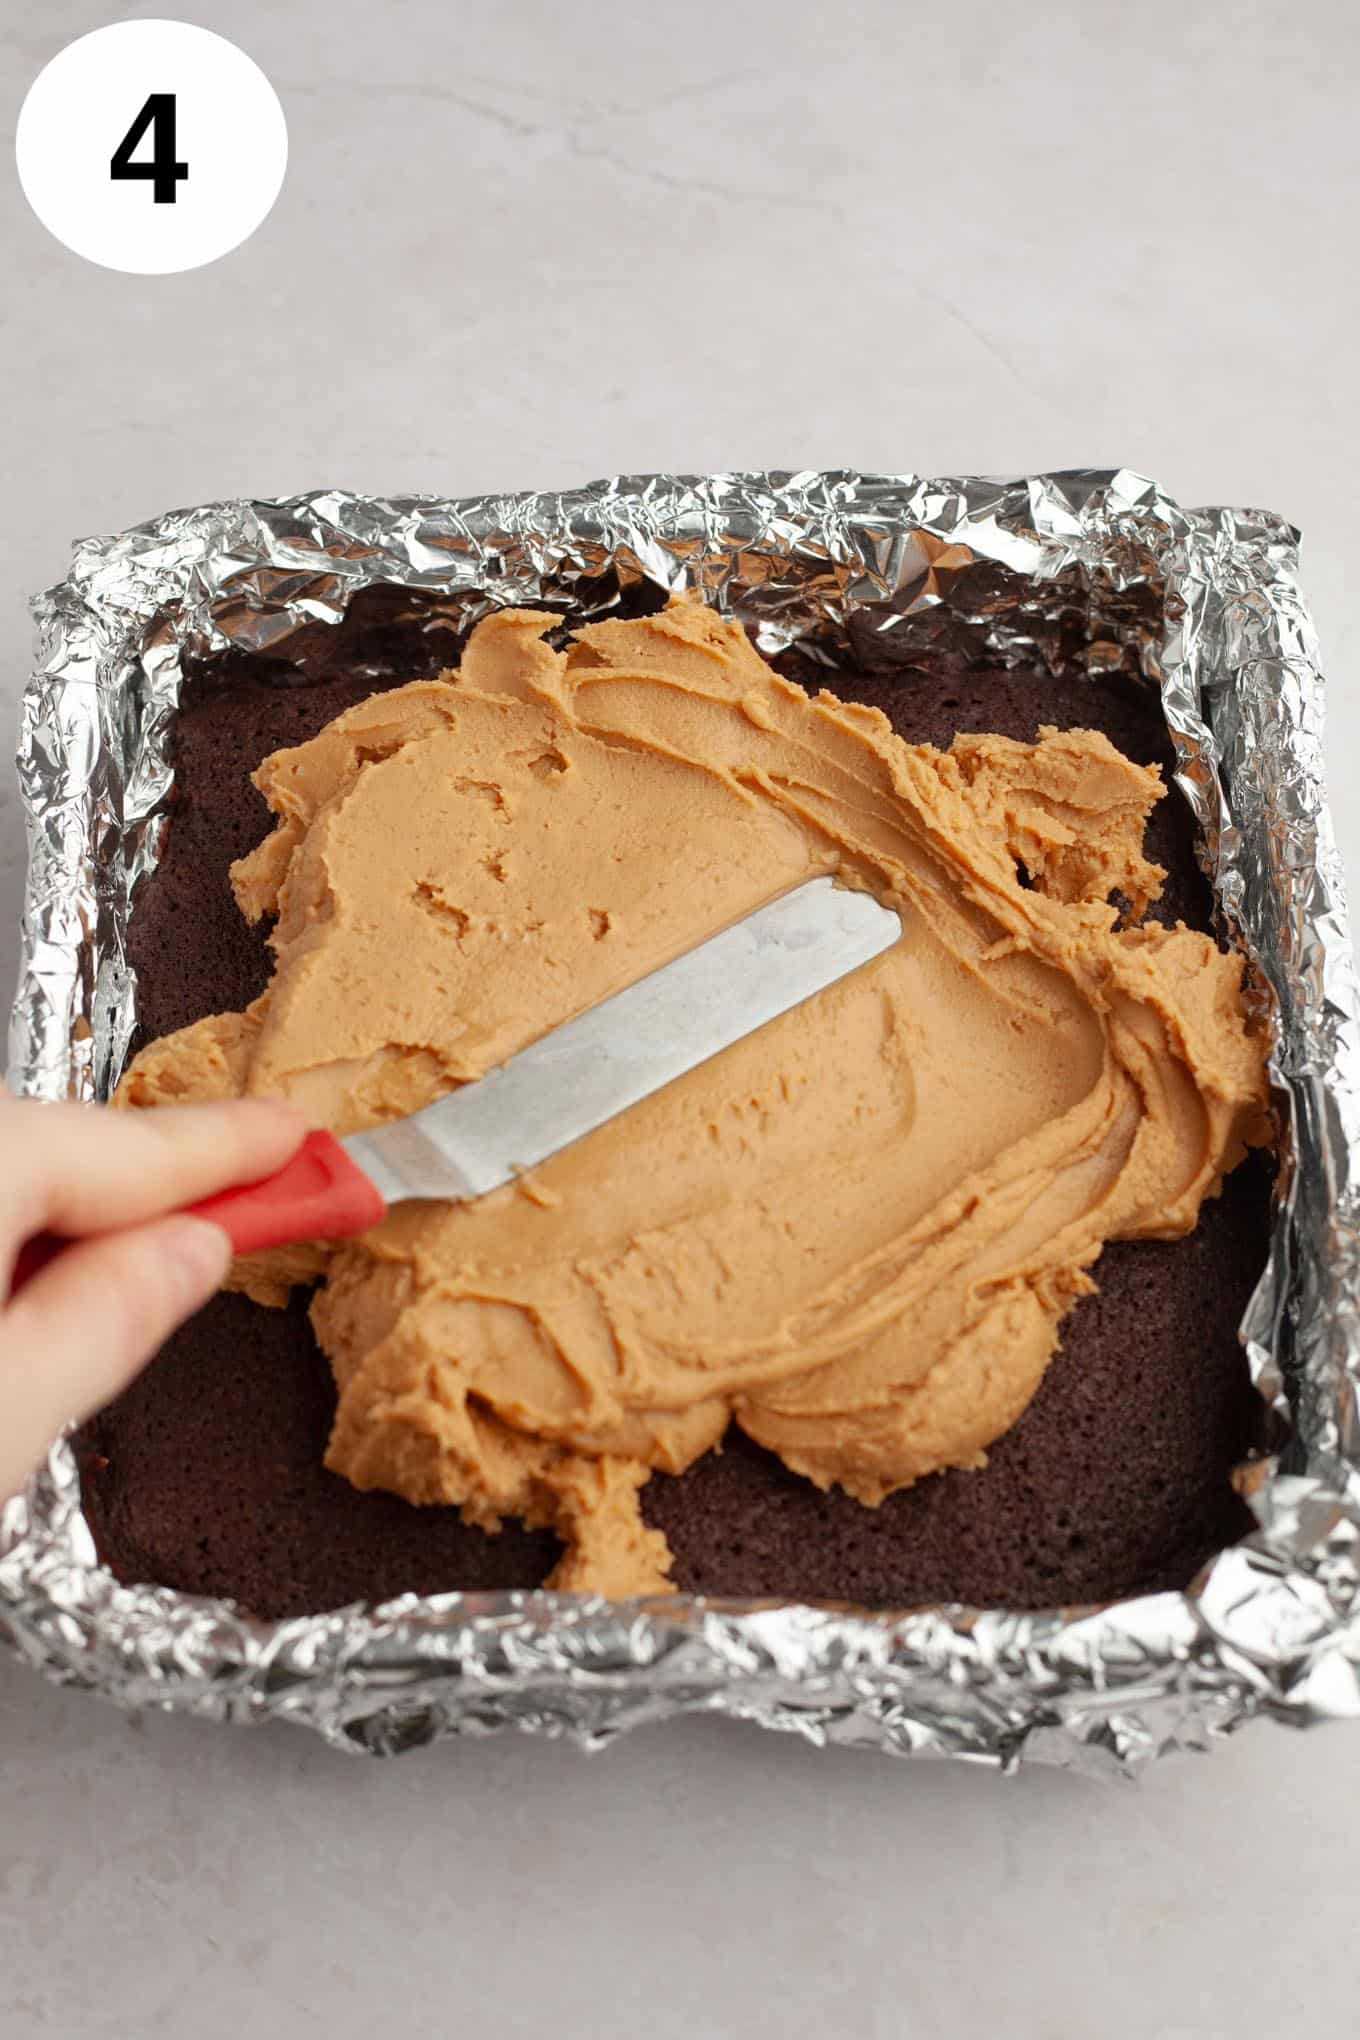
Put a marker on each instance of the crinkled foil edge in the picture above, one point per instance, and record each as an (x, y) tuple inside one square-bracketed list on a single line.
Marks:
[(1206, 603)]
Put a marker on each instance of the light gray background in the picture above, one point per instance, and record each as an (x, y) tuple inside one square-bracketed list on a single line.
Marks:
[(528, 244)]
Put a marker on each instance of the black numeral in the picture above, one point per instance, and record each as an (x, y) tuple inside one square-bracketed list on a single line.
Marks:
[(162, 172)]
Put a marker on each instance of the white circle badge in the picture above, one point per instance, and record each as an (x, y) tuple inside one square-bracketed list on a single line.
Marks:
[(151, 146)]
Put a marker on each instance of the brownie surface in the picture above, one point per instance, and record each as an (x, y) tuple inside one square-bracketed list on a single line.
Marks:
[(207, 1474)]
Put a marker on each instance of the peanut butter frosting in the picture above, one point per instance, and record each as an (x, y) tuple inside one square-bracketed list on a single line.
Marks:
[(855, 1233)]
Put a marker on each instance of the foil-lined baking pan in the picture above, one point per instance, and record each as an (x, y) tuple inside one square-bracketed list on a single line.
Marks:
[(1102, 569)]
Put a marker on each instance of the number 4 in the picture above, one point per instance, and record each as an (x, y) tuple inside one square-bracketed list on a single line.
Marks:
[(163, 172)]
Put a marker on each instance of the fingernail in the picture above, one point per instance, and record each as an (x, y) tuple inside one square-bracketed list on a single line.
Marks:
[(200, 1251), (279, 1107)]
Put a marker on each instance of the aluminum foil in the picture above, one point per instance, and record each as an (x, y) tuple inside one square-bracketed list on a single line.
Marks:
[(1097, 567)]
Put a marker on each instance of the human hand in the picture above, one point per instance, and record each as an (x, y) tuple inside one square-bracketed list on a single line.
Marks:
[(112, 1183)]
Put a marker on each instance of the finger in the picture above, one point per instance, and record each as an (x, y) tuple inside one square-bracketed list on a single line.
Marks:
[(77, 1169), (83, 1327)]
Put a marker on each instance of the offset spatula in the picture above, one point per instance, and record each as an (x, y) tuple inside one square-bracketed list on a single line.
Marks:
[(569, 1082)]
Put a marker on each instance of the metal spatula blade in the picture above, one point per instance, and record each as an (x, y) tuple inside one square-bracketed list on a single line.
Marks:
[(562, 1086), (594, 1067)]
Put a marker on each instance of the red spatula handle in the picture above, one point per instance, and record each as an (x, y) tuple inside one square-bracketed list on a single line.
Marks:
[(319, 1195)]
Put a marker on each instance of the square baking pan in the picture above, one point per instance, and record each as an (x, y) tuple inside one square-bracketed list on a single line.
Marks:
[(1094, 572)]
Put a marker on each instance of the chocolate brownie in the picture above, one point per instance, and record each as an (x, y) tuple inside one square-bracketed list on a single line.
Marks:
[(207, 1474)]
